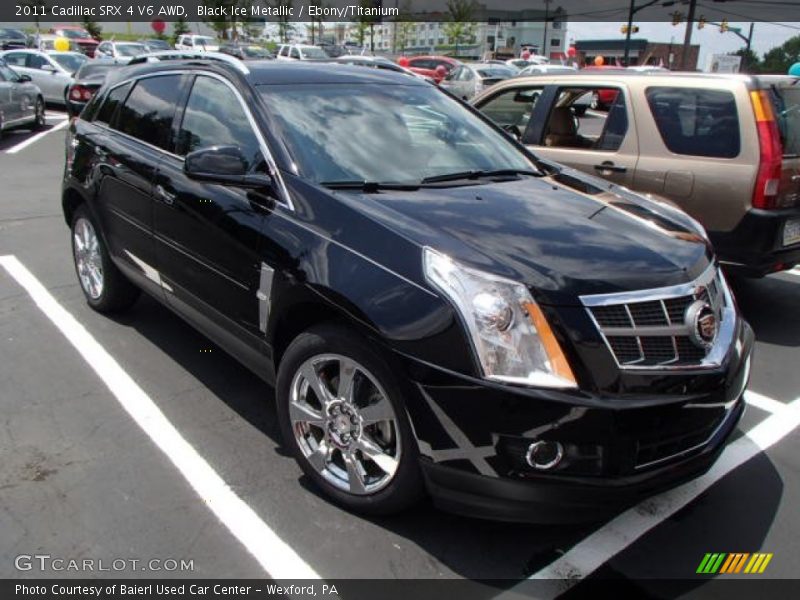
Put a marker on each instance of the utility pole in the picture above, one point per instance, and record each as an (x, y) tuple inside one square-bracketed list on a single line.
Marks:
[(544, 37), (625, 59), (687, 39)]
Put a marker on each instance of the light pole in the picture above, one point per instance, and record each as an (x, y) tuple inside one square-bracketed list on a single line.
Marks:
[(544, 36)]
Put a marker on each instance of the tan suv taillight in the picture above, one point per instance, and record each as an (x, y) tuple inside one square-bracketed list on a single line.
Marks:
[(765, 193)]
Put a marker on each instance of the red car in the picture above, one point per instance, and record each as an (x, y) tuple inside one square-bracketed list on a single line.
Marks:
[(602, 99), (429, 66), (78, 35)]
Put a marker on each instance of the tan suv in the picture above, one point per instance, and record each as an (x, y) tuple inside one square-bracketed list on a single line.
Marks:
[(725, 148)]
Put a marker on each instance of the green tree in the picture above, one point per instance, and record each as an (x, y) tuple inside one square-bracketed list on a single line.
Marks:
[(461, 27), (403, 28), (779, 59), (285, 27), (221, 25), (750, 61), (93, 27), (179, 27), (366, 23)]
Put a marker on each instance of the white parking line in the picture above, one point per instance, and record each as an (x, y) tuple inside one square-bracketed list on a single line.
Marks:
[(37, 137), (594, 551), (273, 554), (764, 403)]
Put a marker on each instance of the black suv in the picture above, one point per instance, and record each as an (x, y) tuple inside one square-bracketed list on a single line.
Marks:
[(438, 309)]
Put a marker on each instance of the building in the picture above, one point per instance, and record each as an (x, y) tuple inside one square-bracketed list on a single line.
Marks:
[(641, 52), (506, 38)]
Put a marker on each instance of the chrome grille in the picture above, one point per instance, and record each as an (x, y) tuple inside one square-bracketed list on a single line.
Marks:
[(649, 329)]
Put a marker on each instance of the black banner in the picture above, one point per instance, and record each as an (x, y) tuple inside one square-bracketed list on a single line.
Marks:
[(734, 588), (479, 11)]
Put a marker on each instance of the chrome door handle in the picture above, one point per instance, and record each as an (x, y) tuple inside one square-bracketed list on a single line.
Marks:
[(166, 197)]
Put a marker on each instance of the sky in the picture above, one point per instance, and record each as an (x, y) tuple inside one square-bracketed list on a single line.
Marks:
[(765, 35)]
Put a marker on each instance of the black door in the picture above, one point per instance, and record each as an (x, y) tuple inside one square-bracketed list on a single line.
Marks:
[(135, 121), (208, 234)]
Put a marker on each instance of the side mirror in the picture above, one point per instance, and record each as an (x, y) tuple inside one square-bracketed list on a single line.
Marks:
[(225, 165), (48, 68), (23, 78)]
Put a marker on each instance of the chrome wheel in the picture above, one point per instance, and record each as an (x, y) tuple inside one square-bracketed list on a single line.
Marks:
[(344, 424), (88, 261)]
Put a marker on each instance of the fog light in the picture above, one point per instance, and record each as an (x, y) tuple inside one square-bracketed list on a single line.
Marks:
[(543, 455)]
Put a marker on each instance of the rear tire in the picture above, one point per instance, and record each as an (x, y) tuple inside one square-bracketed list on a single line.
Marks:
[(105, 287), (352, 440), (40, 120)]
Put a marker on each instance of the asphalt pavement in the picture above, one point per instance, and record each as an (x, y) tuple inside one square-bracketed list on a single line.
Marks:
[(135, 438)]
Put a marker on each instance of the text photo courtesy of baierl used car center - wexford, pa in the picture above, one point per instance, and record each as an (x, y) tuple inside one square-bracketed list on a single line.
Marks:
[(390, 299)]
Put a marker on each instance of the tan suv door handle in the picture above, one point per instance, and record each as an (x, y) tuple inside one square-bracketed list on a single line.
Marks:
[(610, 166)]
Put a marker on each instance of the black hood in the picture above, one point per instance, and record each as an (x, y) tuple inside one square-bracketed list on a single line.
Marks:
[(561, 235)]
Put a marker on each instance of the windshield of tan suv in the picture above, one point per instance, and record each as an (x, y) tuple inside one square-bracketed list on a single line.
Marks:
[(786, 102), (385, 133)]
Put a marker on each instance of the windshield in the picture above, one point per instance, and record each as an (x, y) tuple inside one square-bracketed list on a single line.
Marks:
[(75, 34), (158, 44), (131, 49), (313, 52), (202, 40), (69, 62), (255, 52), (494, 72), (385, 133), (786, 102), (12, 33)]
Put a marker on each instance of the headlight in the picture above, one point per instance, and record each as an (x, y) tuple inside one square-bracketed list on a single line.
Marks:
[(508, 330)]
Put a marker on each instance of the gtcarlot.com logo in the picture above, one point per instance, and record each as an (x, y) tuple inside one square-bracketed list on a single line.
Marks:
[(733, 563)]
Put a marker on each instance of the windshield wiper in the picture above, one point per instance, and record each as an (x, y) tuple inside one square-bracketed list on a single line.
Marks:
[(476, 174), (368, 187)]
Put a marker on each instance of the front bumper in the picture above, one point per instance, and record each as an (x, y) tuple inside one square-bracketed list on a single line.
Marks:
[(755, 247), (618, 449)]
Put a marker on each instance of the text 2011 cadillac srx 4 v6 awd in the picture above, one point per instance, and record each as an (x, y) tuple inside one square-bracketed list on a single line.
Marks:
[(440, 312)]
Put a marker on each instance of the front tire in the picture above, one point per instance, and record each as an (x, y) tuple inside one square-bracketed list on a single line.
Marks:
[(341, 412), (106, 289)]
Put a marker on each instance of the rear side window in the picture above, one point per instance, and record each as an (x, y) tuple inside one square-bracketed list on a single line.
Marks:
[(786, 104), (696, 122), (147, 113), (112, 102)]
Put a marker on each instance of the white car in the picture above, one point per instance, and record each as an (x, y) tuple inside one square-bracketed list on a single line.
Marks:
[(301, 52), (52, 72), (202, 43), (120, 52)]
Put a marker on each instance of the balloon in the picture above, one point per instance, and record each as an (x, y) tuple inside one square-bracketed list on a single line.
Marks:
[(571, 51), (795, 69), (403, 61), (599, 61), (158, 26), (61, 44)]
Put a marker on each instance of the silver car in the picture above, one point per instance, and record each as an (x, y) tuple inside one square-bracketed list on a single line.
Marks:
[(52, 72), (21, 102), (469, 79)]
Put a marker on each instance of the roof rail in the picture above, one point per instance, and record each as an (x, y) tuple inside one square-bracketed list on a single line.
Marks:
[(191, 56)]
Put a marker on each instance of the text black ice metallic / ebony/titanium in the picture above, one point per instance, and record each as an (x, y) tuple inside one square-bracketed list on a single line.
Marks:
[(438, 310)]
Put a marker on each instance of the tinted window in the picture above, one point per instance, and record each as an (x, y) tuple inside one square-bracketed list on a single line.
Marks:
[(148, 111), (295, 53), (214, 117), (36, 62), (696, 122), (113, 99), (70, 62)]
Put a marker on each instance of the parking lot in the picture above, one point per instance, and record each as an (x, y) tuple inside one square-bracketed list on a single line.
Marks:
[(136, 438)]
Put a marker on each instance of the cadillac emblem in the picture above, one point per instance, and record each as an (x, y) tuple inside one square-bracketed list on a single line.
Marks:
[(702, 323)]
